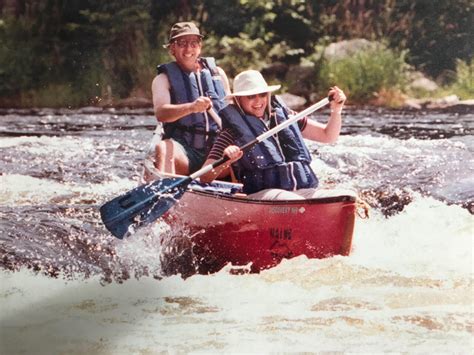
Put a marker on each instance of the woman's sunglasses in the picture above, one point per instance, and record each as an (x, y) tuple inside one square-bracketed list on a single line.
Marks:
[(252, 97)]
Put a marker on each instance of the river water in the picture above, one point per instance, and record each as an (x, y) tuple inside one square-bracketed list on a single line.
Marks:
[(67, 286)]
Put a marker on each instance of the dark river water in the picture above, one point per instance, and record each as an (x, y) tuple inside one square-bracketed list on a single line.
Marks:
[(406, 287)]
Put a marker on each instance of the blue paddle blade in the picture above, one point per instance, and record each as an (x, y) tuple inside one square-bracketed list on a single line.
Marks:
[(142, 205)]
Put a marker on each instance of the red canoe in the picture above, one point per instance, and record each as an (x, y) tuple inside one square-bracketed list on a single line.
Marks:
[(217, 228)]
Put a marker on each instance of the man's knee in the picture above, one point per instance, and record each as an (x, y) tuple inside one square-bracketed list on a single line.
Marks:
[(170, 157), (163, 149)]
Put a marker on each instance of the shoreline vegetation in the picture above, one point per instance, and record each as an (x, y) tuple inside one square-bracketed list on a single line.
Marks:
[(392, 53)]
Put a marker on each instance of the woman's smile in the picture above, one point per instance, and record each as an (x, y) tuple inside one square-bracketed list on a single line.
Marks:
[(254, 105)]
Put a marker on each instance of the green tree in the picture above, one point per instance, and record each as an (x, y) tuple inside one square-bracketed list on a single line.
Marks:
[(77, 51)]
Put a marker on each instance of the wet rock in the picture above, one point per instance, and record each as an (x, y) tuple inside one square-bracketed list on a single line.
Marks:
[(419, 82), (448, 103), (460, 107), (389, 202), (343, 49), (411, 103), (300, 79), (135, 102), (275, 70), (443, 102), (90, 109), (294, 102)]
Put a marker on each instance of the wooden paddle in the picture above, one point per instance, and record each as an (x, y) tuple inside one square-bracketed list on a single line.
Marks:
[(146, 203)]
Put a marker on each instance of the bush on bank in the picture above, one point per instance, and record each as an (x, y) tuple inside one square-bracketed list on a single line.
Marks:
[(463, 84), (367, 73)]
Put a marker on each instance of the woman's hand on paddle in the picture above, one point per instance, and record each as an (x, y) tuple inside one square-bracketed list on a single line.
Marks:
[(338, 98), (233, 153)]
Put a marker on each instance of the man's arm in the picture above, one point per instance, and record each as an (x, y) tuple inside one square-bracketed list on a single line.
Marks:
[(164, 110)]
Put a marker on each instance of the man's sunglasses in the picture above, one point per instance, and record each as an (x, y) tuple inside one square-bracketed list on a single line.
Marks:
[(182, 43)]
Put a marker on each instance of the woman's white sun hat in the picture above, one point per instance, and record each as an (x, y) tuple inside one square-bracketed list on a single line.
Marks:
[(251, 82)]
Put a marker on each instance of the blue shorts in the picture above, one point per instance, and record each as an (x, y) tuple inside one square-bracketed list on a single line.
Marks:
[(196, 157)]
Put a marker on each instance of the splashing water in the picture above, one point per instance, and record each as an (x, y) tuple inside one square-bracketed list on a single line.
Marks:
[(67, 286)]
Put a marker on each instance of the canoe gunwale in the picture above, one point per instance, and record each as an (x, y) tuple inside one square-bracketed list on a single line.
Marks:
[(247, 200), (152, 173)]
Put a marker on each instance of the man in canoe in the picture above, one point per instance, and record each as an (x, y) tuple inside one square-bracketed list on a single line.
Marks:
[(183, 93), (278, 167)]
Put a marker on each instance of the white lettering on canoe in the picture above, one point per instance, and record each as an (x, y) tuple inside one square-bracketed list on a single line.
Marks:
[(286, 210)]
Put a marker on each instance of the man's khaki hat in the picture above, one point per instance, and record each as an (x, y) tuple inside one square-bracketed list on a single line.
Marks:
[(183, 29)]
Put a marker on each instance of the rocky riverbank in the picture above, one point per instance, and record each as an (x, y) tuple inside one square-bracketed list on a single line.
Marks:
[(143, 106)]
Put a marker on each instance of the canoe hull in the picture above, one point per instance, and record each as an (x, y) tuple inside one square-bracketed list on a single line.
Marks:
[(218, 229)]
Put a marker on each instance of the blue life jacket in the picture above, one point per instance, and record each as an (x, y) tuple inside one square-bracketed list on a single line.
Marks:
[(281, 162), (191, 129)]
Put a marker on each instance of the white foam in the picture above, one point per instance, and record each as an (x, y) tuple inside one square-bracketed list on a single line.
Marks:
[(427, 238), (18, 189)]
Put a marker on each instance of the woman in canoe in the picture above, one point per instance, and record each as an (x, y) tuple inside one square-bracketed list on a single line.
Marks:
[(278, 167)]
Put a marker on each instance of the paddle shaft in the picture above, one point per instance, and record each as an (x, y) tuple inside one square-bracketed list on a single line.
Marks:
[(263, 136), (211, 111), (215, 117)]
